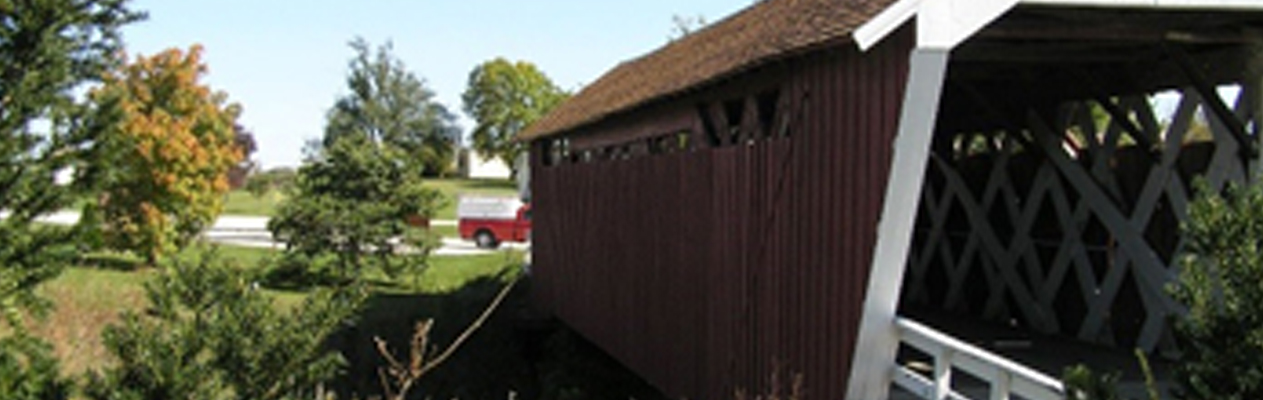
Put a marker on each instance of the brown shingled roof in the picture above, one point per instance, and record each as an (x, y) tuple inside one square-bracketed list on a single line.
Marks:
[(766, 31)]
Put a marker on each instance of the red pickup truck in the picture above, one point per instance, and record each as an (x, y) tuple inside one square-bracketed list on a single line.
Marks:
[(488, 221)]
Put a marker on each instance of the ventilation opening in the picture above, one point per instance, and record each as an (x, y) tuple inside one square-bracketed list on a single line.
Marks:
[(734, 112), (683, 139), (708, 126), (767, 105)]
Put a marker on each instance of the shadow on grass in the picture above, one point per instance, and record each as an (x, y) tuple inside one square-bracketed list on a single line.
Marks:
[(111, 261), (531, 358), (490, 184)]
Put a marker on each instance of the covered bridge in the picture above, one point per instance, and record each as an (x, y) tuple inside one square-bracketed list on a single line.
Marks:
[(781, 190)]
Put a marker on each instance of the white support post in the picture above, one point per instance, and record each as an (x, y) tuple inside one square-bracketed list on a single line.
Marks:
[(1001, 384), (943, 373), (878, 338)]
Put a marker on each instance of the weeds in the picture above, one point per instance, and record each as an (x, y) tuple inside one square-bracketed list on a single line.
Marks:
[(776, 390)]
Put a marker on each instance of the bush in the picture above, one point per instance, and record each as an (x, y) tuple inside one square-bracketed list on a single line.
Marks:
[(1221, 283), (28, 371), (1081, 383), (349, 212), (210, 333)]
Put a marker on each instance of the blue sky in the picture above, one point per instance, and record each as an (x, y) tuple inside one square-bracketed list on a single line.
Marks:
[(285, 61)]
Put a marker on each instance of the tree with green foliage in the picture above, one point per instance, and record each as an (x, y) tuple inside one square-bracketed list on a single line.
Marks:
[(348, 213), (210, 333), (504, 98), (682, 26), (390, 105), (1221, 283), (279, 179), (239, 175), (348, 210), (163, 163), (29, 371), (48, 50)]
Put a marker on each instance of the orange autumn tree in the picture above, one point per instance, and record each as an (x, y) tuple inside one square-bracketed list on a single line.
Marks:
[(164, 162)]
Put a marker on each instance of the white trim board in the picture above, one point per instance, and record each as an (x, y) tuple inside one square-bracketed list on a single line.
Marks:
[(957, 20), (1162, 4)]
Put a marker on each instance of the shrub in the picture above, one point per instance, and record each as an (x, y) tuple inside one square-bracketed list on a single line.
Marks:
[(348, 213), (28, 370), (1221, 283), (210, 333)]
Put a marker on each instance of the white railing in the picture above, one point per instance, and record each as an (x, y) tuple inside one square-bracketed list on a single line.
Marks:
[(1006, 378)]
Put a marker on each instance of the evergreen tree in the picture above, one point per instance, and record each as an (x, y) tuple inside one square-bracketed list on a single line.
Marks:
[(1221, 283), (348, 213), (48, 49), (210, 333), (349, 206)]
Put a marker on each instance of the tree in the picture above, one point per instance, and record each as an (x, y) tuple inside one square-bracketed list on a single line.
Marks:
[(240, 173), (210, 333), (164, 160), (48, 49), (682, 26), (390, 105), (1221, 283), (504, 98), (272, 180), (348, 213)]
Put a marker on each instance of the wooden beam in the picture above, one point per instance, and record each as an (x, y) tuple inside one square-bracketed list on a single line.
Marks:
[(1122, 120), (1149, 270), (1211, 98), (1113, 33), (1003, 257), (1059, 53)]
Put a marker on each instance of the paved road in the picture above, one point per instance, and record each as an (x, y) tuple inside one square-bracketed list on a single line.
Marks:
[(252, 232)]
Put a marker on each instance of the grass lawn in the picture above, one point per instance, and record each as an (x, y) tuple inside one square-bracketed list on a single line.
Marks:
[(91, 296), (449, 273), (447, 231), (241, 202), (87, 300)]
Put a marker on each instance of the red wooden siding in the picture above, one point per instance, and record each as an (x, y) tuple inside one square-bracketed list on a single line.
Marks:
[(706, 269)]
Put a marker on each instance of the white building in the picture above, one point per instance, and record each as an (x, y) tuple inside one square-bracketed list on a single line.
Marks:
[(472, 165)]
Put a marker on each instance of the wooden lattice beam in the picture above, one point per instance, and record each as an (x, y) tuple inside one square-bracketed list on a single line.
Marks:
[(1212, 100), (1080, 187)]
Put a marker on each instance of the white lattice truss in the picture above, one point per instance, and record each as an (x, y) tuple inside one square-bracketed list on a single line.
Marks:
[(1077, 179)]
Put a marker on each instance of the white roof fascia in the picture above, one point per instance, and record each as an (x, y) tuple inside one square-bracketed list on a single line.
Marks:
[(947, 23), (884, 23), (1163, 4), (944, 24), (941, 24)]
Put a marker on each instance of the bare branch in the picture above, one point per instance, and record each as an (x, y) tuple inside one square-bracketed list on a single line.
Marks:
[(405, 377)]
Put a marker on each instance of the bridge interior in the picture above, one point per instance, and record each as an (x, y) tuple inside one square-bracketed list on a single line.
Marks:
[(1065, 154)]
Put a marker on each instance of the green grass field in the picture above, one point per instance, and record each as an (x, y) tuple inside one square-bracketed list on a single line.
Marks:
[(91, 296), (241, 202)]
